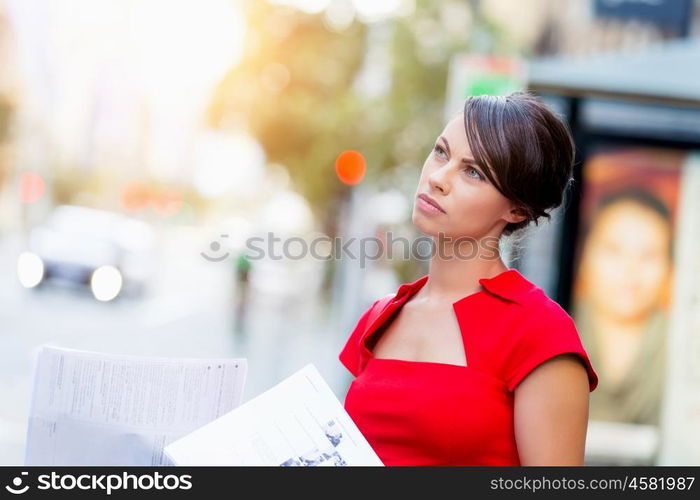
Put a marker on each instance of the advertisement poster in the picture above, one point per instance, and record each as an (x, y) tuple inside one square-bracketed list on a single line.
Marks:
[(624, 272)]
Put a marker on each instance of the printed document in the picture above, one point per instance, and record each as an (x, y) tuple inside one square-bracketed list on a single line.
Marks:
[(299, 422), (101, 409)]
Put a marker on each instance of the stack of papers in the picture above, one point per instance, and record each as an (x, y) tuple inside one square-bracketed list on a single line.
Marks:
[(100, 409), (299, 422)]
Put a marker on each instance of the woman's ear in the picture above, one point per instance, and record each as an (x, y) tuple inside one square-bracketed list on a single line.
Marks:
[(516, 214)]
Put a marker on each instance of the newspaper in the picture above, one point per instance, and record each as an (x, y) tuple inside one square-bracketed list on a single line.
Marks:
[(299, 422), (101, 409)]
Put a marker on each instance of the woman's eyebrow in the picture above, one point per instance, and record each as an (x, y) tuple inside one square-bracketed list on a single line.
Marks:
[(464, 160)]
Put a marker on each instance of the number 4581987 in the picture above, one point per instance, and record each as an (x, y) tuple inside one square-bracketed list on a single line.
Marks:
[(661, 483)]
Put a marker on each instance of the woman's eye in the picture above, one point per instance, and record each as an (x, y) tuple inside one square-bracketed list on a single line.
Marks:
[(440, 151), (472, 172)]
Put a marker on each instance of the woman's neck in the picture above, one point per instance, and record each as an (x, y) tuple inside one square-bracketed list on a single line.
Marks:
[(453, 274)]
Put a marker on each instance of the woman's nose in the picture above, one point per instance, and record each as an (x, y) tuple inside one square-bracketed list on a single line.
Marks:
[(439, 179)]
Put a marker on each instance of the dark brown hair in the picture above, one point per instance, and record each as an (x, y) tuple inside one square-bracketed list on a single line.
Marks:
[(525, 150)]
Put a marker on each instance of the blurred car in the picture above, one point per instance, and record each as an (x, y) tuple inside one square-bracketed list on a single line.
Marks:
[(107, 252)]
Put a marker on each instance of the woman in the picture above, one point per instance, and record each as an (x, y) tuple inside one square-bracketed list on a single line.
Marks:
[(625, 273), (473, 364)]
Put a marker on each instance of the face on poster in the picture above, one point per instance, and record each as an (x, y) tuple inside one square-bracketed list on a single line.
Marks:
[(624, 274)]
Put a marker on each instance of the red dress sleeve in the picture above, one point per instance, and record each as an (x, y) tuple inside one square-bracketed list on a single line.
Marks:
[(351, 355), (548, 335)]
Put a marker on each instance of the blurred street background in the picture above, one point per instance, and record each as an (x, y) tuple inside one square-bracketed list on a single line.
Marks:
[(144, 142)]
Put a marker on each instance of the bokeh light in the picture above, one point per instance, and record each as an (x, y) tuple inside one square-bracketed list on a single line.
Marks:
[(106, 283), (31, 187), (167, 202), (136, 197), (30, 269), (350, 167)]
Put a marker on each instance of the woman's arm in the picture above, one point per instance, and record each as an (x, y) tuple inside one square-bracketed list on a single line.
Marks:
[(551, 413)]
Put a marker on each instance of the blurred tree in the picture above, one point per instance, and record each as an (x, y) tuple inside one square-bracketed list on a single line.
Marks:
[(293, 91), (5, 115), (296, 91), (4, 118)]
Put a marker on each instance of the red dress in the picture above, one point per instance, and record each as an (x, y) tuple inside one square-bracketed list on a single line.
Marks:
[(429, 413)]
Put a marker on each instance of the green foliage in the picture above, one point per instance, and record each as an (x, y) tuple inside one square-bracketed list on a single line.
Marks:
[(305, 122)]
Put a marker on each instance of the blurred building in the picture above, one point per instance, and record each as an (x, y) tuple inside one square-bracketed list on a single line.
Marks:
[(9, 88), (622, 254), (584, 27)]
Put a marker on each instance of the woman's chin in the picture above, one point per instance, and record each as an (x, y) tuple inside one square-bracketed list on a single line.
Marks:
[(424, 225)]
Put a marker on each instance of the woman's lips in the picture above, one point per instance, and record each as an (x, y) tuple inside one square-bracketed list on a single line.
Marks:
[(429, 205)]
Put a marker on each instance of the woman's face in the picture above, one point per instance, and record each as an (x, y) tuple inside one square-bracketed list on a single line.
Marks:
[(471, 205), (626, 261)]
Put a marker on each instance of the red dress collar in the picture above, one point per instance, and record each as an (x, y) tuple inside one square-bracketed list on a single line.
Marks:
[(509, 286)]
